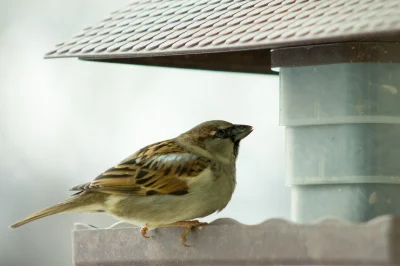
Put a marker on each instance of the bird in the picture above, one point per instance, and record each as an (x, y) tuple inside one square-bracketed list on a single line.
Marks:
[(168, 183)]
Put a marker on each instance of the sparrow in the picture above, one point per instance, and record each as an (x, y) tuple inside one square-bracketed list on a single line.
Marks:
[(168, 183)]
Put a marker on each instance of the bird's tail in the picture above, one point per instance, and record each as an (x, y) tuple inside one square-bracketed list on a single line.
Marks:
[(84, 202)]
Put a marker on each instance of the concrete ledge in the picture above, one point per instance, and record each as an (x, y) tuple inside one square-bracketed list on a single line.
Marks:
[(227, 242)]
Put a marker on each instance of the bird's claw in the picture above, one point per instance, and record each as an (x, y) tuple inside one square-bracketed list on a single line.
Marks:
[(183, 236), (143, 231), (189, 225)]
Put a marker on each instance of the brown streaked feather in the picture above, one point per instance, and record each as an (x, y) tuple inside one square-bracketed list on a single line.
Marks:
[(81, 187), (161, 168)]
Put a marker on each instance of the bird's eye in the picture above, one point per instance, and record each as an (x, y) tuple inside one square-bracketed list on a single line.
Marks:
[(219, 134)]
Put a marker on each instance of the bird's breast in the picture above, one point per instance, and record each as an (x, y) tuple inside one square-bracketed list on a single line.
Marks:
[(213, 188)]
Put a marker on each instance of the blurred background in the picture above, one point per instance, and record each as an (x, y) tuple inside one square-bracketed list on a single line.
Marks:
[(64, 121)]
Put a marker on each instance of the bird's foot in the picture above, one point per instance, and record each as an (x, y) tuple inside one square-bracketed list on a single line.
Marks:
[(143, 231), (188, 225)]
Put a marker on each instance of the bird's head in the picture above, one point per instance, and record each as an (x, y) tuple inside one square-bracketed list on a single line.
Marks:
[(218, 140)]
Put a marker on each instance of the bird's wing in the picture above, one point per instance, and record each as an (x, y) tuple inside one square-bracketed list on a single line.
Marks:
[(161, 168)]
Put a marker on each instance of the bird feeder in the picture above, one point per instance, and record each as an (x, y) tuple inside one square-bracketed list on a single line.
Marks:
[(339, 68)]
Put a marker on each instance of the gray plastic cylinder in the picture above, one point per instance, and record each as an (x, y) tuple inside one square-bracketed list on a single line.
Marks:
[(342, 139)]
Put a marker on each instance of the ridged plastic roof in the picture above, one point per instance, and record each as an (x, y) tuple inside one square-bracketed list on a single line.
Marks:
[(162, 27)]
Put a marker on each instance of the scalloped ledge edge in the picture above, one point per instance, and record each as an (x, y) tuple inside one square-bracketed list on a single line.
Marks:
[(228, 221)]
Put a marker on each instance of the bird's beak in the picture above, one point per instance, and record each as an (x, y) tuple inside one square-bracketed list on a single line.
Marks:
[(241, 131)]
